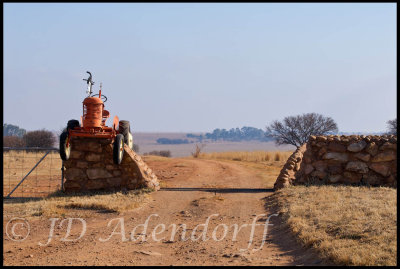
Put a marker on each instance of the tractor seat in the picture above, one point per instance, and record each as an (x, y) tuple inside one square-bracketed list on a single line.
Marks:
[(106, 114)]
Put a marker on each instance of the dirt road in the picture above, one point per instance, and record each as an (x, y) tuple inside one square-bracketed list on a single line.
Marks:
[(227, 194)]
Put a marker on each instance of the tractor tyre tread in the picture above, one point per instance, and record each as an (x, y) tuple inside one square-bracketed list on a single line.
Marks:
[(117, 157), (124, 129), (72, 124), (63, 139)]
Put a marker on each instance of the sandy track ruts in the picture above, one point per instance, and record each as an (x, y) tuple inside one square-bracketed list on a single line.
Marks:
[(192, 191)]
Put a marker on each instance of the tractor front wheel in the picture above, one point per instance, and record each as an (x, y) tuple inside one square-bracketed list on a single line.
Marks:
[(118, 149), (64, 150)]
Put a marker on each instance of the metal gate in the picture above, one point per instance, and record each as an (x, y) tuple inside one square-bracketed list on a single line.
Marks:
[(31, 172)]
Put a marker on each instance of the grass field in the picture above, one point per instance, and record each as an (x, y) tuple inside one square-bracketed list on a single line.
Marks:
[(348, 225), (44, 179)]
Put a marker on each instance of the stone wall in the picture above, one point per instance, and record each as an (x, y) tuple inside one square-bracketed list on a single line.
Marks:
[(91, 167), (358, 160)]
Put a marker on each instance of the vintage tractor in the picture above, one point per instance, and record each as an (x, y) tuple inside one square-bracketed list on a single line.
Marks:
[(93, 125)]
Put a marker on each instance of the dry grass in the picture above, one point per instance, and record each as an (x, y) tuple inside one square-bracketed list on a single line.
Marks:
[(13, 159), (248, 156), (63, 205), (348, 225), (44, 179)]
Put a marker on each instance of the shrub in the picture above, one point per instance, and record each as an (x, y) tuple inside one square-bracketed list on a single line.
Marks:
[(197, 150), (163, 153), (392, 126), (13, 142), (39, 138)]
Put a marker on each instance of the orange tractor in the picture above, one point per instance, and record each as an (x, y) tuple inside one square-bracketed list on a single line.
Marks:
[(93, 125)]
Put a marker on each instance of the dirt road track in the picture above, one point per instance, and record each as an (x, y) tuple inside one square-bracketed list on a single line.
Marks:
[(192, 190)]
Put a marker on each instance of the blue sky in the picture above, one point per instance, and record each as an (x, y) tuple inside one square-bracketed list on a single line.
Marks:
[(197, 67)]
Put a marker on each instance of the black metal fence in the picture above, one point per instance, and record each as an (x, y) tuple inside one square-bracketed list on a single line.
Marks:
[(31, 172)]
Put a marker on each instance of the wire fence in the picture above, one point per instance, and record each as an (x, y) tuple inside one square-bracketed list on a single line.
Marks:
[(31, 172)]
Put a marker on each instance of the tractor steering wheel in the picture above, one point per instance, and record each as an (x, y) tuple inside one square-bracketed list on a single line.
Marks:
[(105, 97)]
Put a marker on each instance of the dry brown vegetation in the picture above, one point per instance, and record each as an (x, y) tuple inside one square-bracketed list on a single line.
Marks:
[(18, 159), (63, 204), (197, 150), (348, 225), (163, 153), (248, 156), (44, 179), (13, 141)]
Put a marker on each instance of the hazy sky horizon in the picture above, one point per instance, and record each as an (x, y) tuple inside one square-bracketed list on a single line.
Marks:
[(196, 67)]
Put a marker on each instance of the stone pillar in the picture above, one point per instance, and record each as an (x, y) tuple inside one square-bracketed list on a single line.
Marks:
[(90, 167)]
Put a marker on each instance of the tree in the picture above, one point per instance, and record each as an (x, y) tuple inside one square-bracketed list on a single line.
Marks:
[(237, 134), (13, 130), (39, 138), (295, 130), (392, 126), (13, 142)]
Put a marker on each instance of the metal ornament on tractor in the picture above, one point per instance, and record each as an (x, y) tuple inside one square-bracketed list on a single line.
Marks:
[(93, 125)]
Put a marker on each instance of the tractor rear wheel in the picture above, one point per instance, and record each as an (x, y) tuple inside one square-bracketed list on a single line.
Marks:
[(64, 150), (118, 149), (125, 129), (72, 124)]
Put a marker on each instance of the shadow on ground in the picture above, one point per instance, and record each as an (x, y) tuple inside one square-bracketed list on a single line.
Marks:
[(220, 190)]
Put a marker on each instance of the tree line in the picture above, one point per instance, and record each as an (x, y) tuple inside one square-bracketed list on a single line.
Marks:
[(167, 141), (234, 134), (16, 137)]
